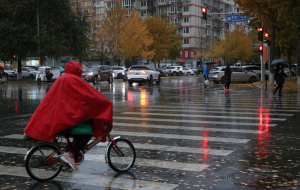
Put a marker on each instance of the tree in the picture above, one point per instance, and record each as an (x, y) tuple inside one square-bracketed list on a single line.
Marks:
[(175, 43), (113, 26), (49, 28), (160, 32), (235, 47), (136, 39)]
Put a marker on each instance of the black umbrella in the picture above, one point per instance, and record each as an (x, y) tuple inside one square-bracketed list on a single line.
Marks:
[(283, 62)]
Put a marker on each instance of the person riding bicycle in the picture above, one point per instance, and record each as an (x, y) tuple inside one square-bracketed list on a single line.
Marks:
[(69, 102)]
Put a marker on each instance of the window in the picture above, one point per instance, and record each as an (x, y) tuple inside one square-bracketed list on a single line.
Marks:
[(98, 10), (186, 41), (97, 3), (186, 19), (144, 13), (186, 30), (85, 10), (186, 9), (144, 4)]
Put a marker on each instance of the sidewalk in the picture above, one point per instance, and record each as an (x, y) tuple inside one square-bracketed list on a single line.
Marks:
[(289, 84), (23, 80)]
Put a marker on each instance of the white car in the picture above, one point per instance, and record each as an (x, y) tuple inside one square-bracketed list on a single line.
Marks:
[(118, 72), (28, 72), (10, 73), (143, 74), (189, 71), (176, 70)]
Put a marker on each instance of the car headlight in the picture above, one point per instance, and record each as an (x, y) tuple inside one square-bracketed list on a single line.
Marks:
[(90, 74)]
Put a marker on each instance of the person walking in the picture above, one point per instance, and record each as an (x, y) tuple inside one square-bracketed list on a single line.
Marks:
[(228, 77), (205, 75), (279, 77)]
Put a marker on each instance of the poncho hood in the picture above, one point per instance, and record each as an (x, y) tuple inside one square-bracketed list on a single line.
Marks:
[(69, 102)]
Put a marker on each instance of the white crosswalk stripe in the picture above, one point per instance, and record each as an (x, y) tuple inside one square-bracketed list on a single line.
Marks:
[(140, 119)]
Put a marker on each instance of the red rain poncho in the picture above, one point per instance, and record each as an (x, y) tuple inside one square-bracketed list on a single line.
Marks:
[(69, 102)]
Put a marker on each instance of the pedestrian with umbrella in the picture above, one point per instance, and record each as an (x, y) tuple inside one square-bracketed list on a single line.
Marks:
[(279, 78)]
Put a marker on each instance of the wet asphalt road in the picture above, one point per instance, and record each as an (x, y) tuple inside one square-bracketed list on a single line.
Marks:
[(185, 138)]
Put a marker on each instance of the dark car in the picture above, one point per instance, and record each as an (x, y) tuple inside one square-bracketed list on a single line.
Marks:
[(98, 73)]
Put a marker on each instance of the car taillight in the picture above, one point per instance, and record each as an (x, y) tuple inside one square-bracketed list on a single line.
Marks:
[(216, 73), (144, 72), (129, 72)]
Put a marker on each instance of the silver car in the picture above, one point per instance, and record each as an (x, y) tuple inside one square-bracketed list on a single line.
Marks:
[(238, 74), (98, 73)]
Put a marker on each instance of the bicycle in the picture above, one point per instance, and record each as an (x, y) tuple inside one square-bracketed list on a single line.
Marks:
[(42, 161)]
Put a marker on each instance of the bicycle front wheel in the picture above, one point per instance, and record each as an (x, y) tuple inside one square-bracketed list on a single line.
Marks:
[(121, 155), (43, 162)]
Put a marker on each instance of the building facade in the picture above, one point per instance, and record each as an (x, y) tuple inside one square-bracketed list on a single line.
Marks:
[(197, 34)]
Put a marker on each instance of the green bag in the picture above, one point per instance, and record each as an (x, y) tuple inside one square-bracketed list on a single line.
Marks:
[(84, 128)]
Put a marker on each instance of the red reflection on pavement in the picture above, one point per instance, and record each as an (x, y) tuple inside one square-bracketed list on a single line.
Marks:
[(16, 107), (205, 147)]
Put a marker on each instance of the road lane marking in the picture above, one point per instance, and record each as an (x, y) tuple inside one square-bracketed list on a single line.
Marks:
[(94, 179), (138, 146), (139, 161), (192, 107), (187, 137), (192, 121), (205, 116), (226, 130), (223, 112)]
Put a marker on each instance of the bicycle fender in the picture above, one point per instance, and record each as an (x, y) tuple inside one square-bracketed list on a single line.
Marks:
[(28, 152), (115, 138)]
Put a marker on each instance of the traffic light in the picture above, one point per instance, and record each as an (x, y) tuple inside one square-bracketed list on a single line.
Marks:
[(266, 37), (204, 13), (14, 57), (260, 49), (260, 34)]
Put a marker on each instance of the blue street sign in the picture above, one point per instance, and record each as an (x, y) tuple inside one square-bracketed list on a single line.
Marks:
[(236, 18)]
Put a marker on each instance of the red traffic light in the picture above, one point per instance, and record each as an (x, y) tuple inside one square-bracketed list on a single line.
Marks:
[(260, 49), (260, 29), (204, 13)]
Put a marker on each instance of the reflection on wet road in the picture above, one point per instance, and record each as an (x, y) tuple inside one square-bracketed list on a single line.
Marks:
[(185, 137)]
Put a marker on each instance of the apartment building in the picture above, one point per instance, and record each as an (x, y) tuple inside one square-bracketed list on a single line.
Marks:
[(197, 34)]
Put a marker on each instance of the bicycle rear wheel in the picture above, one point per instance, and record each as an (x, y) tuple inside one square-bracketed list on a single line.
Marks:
[(121, 155), (43, 162)]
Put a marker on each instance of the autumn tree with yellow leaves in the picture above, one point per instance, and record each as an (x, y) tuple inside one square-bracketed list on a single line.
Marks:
[(235, 47), (136, 39), (162, 35)]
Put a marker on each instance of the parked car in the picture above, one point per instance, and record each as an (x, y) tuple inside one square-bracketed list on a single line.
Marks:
[(164, 72), (198, 70), (143, 74), (189, 71), (42, 72), (98, 73), (118, 72), (238, 75), (287, 71), (176, 70), (10, 73), (28, 72), (256, 69)]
